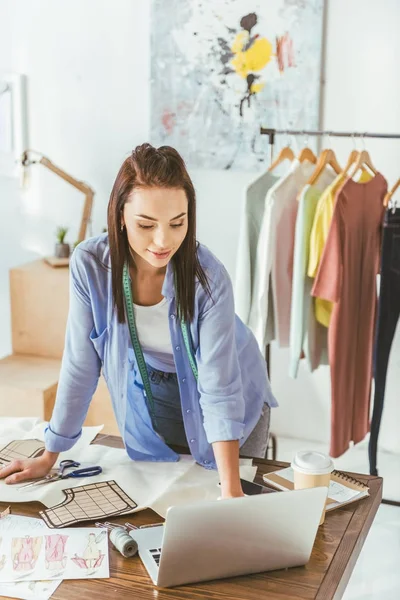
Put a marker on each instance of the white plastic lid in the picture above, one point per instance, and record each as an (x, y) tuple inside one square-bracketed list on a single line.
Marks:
[(315, 463)]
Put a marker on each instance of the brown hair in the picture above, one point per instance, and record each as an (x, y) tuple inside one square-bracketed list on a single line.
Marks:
[(155, 167)]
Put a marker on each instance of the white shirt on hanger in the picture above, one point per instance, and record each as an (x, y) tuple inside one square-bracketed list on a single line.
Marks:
[(250, 224)]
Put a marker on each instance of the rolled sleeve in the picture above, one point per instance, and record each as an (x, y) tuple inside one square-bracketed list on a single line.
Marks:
[(80, 368), (55, 442), (219, 383)]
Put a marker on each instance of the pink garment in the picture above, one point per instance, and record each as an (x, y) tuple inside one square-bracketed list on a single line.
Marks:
[(347, 277), (286, 201), (55, 546), (282, 269), (24, 559), (85, 564), (81, 562)]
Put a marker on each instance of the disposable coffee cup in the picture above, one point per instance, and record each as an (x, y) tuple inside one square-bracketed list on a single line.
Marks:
[(312, 469)]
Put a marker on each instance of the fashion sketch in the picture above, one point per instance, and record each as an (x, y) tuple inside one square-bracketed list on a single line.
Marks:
[(55, 557), (92, 556), (25, 552)]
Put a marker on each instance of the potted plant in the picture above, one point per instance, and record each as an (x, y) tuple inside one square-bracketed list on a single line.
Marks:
[(62, 249)]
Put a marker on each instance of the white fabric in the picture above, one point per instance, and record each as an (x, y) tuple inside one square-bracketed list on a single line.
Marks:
[(152, 324), (32, 428), (150, 484), (279, 197), (250, 223)]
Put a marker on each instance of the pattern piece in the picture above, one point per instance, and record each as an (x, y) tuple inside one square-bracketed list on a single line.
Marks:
[(19, 450), (88, 503)]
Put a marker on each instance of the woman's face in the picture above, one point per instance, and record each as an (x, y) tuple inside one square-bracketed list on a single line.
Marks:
[(156, 223)]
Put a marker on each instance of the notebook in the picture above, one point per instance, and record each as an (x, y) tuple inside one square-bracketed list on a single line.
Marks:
[(343, 489)]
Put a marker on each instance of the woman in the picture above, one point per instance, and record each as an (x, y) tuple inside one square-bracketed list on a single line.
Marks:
[(154, 310)]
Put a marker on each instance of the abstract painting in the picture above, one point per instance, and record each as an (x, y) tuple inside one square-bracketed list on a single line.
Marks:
[(221, 69)]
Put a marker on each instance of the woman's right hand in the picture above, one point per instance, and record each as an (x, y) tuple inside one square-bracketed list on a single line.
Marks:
[(29, 468)]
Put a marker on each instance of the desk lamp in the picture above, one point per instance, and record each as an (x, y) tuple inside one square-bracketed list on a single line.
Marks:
[(30, 157)]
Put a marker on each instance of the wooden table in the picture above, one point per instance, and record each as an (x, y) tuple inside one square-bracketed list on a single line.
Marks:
[(336, 549)]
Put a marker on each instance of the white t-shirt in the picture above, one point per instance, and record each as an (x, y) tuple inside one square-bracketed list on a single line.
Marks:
[(152, 324)]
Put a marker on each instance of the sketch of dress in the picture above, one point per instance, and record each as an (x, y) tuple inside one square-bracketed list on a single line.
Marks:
[(92, 556), (54, 551), (25, 552)]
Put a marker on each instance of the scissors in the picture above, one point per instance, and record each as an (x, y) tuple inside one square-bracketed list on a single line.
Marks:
[(61, 474)]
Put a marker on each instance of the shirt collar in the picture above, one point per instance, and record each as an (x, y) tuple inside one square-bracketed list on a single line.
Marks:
[(168, 288)]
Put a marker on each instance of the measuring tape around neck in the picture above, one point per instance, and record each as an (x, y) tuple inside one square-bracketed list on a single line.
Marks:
[(130, 313)]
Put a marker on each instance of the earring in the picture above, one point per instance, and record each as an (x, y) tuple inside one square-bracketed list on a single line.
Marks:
[(122, 227)]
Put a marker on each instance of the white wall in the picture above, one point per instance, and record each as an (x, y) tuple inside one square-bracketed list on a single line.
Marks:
[(87, 65)]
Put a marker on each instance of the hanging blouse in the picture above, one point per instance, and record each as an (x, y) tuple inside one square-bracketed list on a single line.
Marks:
[(306, 335), (319, 234), (250, 225), (347, 277), (270, 308)]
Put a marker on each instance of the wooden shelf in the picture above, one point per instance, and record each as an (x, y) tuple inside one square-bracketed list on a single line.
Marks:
[(29, 377), (28, 388), (39, 309)]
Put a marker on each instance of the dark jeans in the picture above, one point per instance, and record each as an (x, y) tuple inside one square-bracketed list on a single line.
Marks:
[(388, 315), (168, 421)]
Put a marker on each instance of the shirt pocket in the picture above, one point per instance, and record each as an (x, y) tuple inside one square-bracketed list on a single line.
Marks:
[(100, 345)]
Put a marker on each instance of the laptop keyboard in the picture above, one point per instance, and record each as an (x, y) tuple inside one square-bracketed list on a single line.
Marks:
[(156, 555)]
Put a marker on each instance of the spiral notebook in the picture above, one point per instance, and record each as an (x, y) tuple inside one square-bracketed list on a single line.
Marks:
[(343, 489)]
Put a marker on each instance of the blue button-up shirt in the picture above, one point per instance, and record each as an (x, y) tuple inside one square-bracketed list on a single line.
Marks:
[(225, 403)]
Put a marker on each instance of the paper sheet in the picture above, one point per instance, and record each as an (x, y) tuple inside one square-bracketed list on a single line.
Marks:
[(20, 449), (149, 484), (195, 485), (29, 551), (142, 481), (89, 503), (28, 590)]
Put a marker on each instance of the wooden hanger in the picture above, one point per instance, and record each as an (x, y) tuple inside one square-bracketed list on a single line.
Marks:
[(285, 153), (390, 194), (307, 154), (352, 158), (363, 159), (327, 157)]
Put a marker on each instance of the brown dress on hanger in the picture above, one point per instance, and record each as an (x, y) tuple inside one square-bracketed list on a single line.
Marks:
[(347, 277)]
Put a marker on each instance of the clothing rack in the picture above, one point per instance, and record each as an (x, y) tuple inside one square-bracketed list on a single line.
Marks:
[(315, 133), (271, 133)]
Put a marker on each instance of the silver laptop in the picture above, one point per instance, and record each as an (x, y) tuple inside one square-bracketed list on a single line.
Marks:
[(211, 540)]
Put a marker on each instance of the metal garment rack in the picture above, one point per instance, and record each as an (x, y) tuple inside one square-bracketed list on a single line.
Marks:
[(271, 133), (315, 133)]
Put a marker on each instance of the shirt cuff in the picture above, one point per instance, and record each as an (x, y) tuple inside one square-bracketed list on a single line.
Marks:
[(58, 443), (225, 431)]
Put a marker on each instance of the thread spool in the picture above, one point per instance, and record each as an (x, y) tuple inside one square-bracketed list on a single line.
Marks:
[(123, 542)]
